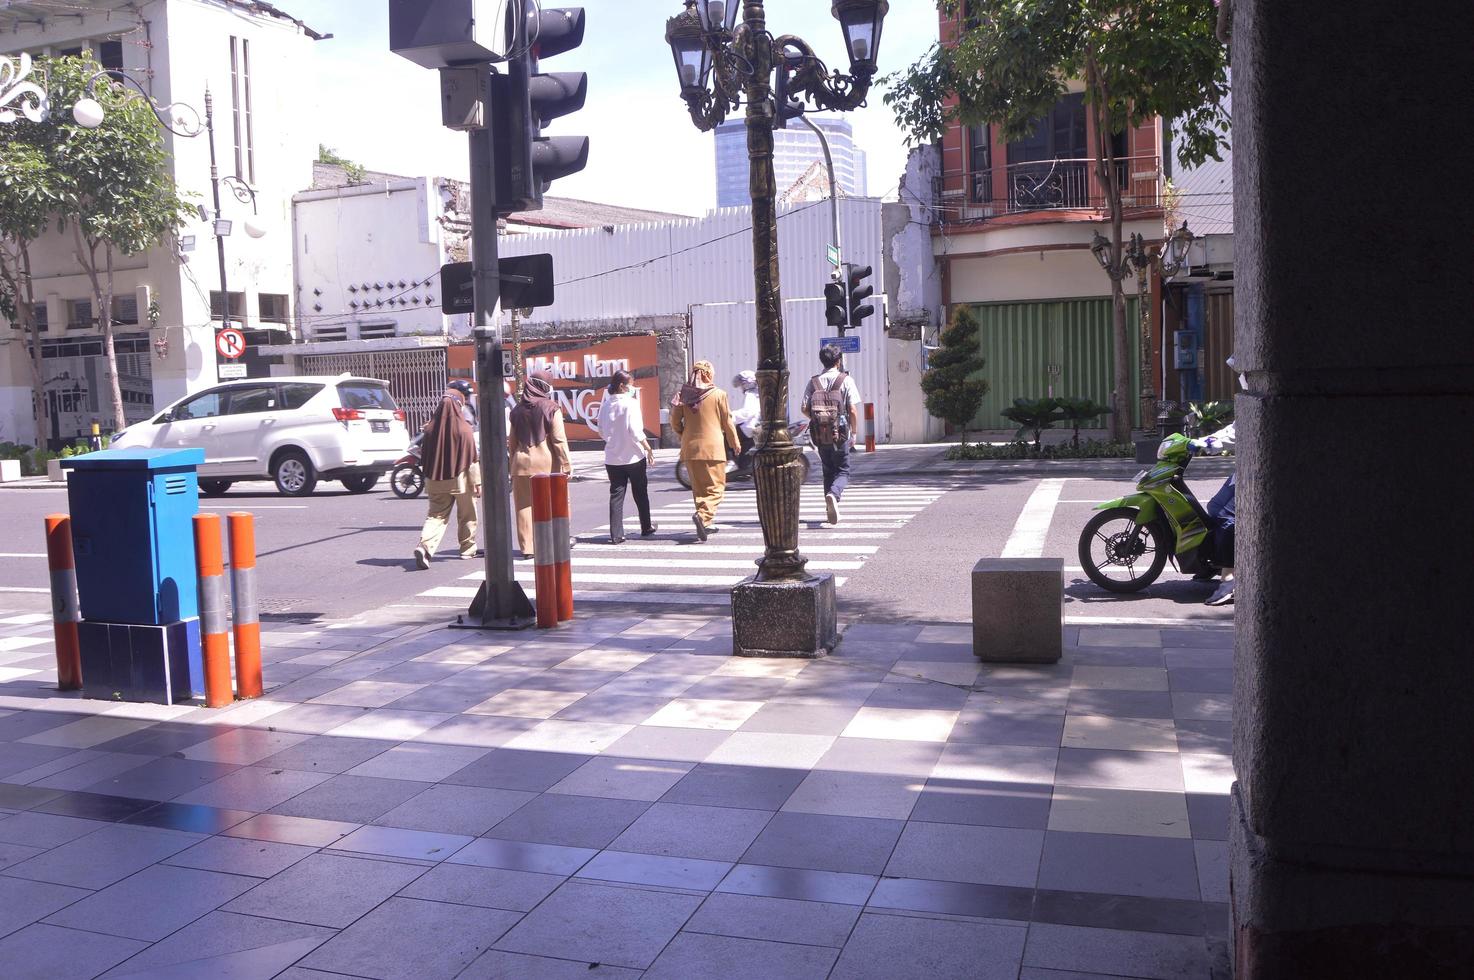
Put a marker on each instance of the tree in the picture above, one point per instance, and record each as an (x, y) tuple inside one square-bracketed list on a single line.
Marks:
[(27, 200), (1077, 410), (115, 192), (1012, 62), (353, 171), (952, 393), (1034, 415)]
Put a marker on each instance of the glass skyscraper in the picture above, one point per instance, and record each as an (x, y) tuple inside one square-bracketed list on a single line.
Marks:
[(795, 149)]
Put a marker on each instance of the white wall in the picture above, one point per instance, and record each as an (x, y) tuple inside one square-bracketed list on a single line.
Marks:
[(1031, 275), (369, 235)]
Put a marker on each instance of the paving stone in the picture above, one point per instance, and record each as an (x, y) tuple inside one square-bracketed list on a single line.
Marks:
[(292, 830), (153, 903), (680, 830), (602, 924), (45, 830), (326, 890), (1100, 732), (88, 732), (992, 804), (93, 806), (782, 751), (1152, 813), (324, 753), (1212, 858), (954, 898), (497, 965), (442, 940), (799, 719), (350, 799), (1153, 867), (315, 719), (484, 731), (446, 809), (955, 852), (254, 788), (624, 709), (774, 919), (1120, 704), (224, 944), (242, 746), (571, 821), (748, 787), (1208, 813), (888, 946), (19, 757), (23, 902), (669, 744), (396, 842), (493, 888), (625, 779), (1183, 917), (188, 817), (799, 884), (388, 723), (241, 856), (825, 843), (553, 859), (161, 779), (104, 857), (1119, 770), (420, 761), (728, 958), (907, 693), (1136, 954), (856, 794), (518, 769), (33, 953)]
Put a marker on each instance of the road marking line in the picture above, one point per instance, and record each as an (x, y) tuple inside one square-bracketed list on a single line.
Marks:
[(16, 588), (22, 554), (1027, 539), (253, 506), (693, 552), (1145, 621)]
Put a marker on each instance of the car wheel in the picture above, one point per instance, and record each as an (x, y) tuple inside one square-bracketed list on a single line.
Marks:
[(214, 488), (294, 474), (361, 483)]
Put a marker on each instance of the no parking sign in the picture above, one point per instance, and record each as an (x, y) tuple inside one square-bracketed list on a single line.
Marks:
[(230, 343)]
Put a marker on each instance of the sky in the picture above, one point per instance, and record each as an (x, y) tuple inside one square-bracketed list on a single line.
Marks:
[(382, 111)]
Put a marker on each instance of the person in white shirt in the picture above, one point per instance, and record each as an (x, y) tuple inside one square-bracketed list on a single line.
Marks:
[(627, 453), (831, 403), (745, 415)]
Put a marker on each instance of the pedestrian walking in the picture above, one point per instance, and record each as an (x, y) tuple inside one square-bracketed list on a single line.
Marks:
[(830, 403), (746, 417), (452, 479), (702, 418), (627, 453), (537, 444)]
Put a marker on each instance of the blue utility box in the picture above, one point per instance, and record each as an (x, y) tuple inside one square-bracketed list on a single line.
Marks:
[(133, 533), (133, 537)]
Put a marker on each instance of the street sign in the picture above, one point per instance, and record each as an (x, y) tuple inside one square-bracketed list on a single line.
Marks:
[(526, 281), (232, 371), (509, 366), (230, 343), (834, 256), (457, 288), (846, 345)]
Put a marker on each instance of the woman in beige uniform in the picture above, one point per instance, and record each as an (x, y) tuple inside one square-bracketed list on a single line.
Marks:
[(701, 416), (537, 444)]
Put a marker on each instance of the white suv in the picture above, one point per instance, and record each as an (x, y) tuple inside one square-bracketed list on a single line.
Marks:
[(293, 430)]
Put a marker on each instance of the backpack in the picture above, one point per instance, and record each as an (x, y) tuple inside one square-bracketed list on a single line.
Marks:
[(828, 411)]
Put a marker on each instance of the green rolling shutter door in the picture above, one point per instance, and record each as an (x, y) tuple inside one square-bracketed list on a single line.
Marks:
[(1065, 344)]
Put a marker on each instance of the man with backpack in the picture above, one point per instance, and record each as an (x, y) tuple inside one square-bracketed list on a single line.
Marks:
[(831, 403)]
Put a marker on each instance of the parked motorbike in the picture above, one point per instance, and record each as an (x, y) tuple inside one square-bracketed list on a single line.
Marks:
[(1125, 547), (407, 479), (741, 467)]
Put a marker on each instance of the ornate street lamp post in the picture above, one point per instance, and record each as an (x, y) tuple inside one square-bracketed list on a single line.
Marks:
[(719, 65)]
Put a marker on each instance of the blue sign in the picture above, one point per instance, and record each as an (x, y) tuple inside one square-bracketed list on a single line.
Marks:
[(846, 345)]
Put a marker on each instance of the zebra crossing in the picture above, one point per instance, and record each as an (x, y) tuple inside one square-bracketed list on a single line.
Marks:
[(672, 567)]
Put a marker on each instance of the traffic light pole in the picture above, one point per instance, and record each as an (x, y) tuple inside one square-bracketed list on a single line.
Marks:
[(837, 274), (500, 603)]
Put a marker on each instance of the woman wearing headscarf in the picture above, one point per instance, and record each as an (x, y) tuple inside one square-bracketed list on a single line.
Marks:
[(627, 453), (700, 414), (448, 458), (537, 444)]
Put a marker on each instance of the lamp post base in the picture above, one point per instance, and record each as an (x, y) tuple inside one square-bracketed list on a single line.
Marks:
[(785, 618)]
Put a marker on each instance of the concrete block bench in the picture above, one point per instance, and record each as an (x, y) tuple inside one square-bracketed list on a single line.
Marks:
[(1018, 610)]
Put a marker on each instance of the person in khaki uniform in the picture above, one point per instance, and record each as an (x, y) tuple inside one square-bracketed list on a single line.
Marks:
[(537, 444), (452, 478), (702, 418)]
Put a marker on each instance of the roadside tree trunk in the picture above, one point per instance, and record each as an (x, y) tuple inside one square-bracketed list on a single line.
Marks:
[(1105, 170)]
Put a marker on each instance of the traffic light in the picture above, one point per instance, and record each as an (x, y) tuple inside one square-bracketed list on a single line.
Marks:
[(859, 291), (527, 161), (836, 313)]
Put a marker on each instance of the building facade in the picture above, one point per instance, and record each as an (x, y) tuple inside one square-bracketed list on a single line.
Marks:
[(249, 57), (795, 150)]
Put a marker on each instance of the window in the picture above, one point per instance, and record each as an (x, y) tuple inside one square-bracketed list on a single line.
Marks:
[(240, 101), (79, 314), (125, 310), (298, 394), (1048, 167), (273, 307), (38, 312), (364, 394), (980, 162), (247, 399), (237, 305), (205, 406), (110, 56)]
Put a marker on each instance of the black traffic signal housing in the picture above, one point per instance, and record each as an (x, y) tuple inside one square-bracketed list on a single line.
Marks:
[(836, 308), (858, 292), (526, 100)]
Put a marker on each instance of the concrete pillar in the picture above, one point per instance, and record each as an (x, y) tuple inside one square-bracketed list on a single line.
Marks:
[(1352, 830)]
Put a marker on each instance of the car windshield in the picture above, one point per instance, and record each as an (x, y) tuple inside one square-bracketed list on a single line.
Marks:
[(365, 394)]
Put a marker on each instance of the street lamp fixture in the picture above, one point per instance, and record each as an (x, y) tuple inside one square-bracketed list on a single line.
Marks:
[(1100, 247), (722, 66), (222, 227), (179, 118)]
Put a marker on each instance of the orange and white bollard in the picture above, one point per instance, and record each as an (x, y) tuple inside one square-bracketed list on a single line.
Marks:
[(870, 427), (562, 546), (545, 573), (214, 633), (66, 607), (247, 618)]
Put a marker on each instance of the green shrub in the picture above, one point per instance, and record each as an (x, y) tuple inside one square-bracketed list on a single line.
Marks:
[(1034, 415), (1077, 410), (1090, 449)]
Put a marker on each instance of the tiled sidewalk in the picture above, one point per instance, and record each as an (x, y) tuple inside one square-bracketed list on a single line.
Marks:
[(619, 796)]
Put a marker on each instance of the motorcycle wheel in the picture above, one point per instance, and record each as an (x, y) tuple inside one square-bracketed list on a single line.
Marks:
[(407, 481), (1116, 557), (683, 475)]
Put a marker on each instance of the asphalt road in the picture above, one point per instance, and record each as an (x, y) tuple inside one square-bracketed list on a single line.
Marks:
[(336, 554)]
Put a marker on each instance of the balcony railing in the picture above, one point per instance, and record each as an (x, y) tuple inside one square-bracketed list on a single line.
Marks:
[(1045, 185)]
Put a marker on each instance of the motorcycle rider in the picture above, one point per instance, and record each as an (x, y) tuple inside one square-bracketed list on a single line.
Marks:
[(1221, 507), (745, 415)]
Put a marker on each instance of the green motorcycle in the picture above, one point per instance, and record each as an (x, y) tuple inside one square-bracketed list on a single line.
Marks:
[(1125, 547)]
